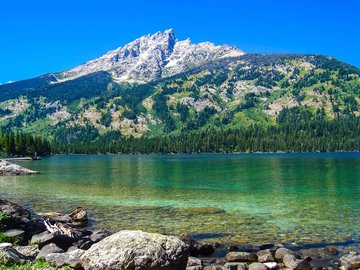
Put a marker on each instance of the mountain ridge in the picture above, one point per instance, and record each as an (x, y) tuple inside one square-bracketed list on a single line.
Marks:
[(151, 57), (221, 93)]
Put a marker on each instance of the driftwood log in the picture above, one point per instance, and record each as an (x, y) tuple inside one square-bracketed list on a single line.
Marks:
[(58, 228), (58, 223)]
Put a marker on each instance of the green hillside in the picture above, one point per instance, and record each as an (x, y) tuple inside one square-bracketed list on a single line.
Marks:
[(249, 103)]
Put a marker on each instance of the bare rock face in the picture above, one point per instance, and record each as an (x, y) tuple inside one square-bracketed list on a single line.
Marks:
[(136, 250), (9, 169), (152, 57)]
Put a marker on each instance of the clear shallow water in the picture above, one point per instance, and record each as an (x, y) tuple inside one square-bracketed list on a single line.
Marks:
[(257, 198)]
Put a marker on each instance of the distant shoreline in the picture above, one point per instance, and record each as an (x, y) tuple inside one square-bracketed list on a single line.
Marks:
[(207, 153)]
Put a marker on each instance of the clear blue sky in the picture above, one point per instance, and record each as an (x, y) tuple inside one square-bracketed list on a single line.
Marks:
[(43, 36)]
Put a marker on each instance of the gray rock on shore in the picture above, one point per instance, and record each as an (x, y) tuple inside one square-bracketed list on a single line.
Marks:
[(281, 252), (11, 255), (265, 255), (131, 250), (350, 261), (235, 266), (15, 215), (241, 257), (257, 266), (291, 262), (9, 169), (48, 249)]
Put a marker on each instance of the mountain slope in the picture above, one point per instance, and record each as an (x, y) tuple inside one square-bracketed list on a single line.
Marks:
[(221, 93)]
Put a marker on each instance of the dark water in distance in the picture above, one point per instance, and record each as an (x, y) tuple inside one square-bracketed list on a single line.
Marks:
[(238, 198)]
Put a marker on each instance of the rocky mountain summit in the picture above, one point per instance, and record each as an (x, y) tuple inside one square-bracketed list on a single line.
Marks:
[(152, 57)]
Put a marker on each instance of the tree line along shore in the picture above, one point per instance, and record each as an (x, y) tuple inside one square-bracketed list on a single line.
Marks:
[(296, 130)]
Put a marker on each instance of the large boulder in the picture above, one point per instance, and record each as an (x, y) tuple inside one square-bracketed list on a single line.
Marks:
[(11, 255), (265, 255), (291, 262), (9, 169), (281, 252), (42, 239), (135, 250), (49, 248), (15, 216)]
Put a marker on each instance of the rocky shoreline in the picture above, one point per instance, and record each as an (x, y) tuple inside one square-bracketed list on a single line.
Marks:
[(9, 169), (65, 240)]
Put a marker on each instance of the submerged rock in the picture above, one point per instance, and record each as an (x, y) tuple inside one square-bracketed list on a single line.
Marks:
[(205, 211), (9, 169), (131, 250)]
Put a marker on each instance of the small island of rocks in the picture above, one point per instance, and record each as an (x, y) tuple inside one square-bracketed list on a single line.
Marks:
[(9, 169)]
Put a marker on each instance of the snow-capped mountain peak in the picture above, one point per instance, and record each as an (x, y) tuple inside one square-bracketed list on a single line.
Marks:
[(152, 57)]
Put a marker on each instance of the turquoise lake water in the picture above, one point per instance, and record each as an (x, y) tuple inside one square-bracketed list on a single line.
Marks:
[(235, 198)]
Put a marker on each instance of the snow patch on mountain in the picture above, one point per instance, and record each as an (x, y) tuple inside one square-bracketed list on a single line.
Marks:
[(152, 57)]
